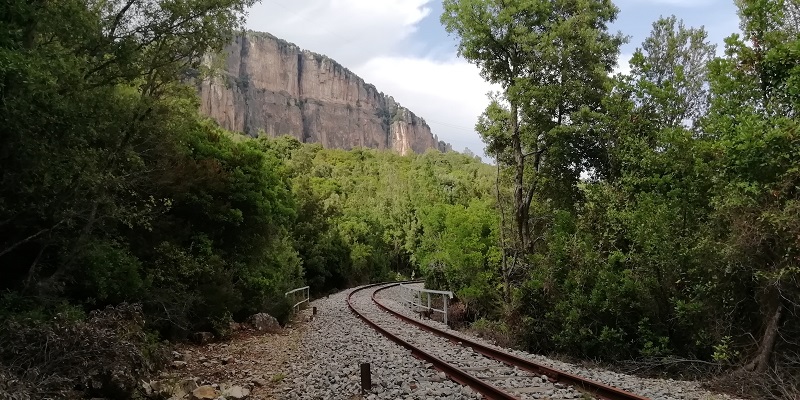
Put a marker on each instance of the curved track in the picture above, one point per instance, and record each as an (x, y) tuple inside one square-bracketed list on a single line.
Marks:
[(519, 375)]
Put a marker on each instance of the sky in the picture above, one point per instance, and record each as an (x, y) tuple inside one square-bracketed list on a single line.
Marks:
[(401, 47)]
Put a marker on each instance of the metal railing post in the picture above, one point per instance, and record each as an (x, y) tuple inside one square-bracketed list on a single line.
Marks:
[(304, 291), (444, 296), (415, 303)]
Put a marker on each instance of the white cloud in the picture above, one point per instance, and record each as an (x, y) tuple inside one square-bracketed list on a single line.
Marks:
[(623, 65), (349, 31), (675, 3), (449, 95)]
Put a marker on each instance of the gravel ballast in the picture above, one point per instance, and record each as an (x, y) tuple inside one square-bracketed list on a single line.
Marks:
[(512, 380), (336, 342)]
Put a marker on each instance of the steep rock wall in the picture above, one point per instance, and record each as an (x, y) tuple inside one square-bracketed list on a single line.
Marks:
[(267, 84)]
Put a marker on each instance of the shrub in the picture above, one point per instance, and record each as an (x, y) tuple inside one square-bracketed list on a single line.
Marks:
[(106, 354)]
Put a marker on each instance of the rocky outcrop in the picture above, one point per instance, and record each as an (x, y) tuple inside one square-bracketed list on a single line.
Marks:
[(268, 85)]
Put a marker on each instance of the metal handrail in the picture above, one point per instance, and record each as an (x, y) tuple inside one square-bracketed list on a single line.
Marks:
[(411, 303), (447, 292), (306, 296), (295, 290)]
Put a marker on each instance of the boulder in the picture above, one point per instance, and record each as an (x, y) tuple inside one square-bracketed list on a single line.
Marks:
[(264, 322), (205, 392), (187, 386), (169, 388), (236, 392)]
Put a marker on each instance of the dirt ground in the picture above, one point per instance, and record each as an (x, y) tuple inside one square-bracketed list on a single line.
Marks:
[(257, 361)]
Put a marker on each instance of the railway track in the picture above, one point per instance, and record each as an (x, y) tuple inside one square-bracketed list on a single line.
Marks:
[(493, 373)]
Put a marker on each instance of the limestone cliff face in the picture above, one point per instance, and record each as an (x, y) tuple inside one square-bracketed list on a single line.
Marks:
[(272, 85)]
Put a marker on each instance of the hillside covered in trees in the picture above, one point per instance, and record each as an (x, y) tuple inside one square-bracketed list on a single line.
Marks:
[(652, 216)]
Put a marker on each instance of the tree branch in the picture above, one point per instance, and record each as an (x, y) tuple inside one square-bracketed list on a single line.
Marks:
[(28, 239), (118, 18), (538, 153), (32, 269)]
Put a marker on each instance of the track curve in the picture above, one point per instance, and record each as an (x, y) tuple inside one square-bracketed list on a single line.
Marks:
[(454, 373), (463, 377)]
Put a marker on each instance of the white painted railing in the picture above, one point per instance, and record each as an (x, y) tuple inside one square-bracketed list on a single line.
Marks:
[(298, 294), (412, 297)]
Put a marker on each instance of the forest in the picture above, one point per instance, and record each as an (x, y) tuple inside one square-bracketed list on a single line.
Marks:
[(650, 216)]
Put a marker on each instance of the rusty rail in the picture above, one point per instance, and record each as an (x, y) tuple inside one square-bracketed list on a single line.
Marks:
[(600, 390), (454, 373)]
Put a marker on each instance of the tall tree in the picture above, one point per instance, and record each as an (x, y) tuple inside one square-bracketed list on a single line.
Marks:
[(754, 117), (92, 72), (671, 72), (551, 59)]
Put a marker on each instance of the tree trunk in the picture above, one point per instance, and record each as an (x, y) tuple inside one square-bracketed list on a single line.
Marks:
[(32, 269), (29, 34), (48, 283), (506, 269), (520, 209), (772, 312)]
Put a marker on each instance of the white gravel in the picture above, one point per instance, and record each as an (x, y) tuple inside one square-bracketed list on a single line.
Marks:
[(337, 342), (656, 389), (335, 345), (509, 379)]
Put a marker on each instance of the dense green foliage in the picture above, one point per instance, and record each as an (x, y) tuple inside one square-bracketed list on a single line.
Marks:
[(367, 215), (116, 190), (680, 238), (113, 187)]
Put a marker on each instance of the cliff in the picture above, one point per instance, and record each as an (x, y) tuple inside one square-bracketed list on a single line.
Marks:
[(269, 84)]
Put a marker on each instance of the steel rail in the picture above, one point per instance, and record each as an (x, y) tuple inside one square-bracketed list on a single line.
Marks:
[(600, 390), (488, 390)]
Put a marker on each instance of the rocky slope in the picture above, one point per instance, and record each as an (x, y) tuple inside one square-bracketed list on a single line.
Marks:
[(269, 84)]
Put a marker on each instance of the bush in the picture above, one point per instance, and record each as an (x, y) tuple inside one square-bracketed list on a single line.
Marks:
[(498, 332), (106, 354), (280, 308)]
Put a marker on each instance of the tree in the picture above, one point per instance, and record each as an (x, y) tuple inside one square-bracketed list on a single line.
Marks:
[(664, 95), (98, 129), (551, 60), (91, 75), (670, 69), (754, 119)]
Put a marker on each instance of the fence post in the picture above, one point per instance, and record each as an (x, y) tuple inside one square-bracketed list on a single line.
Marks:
[(366, 378), (444, 296)]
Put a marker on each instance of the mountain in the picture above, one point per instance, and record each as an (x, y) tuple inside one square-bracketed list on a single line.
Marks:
[(272, 85)]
